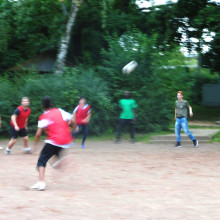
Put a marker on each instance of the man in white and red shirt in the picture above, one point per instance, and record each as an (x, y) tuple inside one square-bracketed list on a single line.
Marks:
[(55, 122), (18, 125), (81, 117)]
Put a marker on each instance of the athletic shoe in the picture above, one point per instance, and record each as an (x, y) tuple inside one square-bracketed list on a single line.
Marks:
[(39, 186), (178, 144), (1, 147), (27, 150), (83, 146), (7, 151), (196, 143)]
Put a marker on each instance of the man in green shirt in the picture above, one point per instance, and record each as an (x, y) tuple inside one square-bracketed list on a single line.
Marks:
[(181, 107), (127, 115)]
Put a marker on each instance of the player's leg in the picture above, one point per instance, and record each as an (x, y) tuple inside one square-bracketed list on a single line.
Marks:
[(58, 159), (85, 133), (23, 133), (177, 132), (120, 127), (47, 152), (131, 124), (14, 135), (184, 125), (76, 131)]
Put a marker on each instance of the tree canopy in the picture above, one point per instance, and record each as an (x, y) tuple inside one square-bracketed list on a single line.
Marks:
[(29, 27)]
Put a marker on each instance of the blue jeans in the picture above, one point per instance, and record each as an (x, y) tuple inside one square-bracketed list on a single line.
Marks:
[(182, 123)]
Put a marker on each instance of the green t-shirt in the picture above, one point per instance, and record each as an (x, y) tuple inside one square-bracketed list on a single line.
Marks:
[(181, 108), (127, 106)]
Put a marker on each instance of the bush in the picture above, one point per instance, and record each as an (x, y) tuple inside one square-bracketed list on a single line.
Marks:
[(65, 91), (146, 86)]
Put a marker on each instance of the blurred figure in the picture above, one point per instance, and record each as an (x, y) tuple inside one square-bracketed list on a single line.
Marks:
[(18, 125), (181, 107), (55, 122), (81, 118), (127, 115)]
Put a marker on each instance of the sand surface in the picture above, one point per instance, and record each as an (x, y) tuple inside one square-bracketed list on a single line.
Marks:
[(115, 181)]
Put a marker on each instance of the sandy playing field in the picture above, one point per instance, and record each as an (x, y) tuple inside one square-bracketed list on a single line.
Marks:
[(115, 181)]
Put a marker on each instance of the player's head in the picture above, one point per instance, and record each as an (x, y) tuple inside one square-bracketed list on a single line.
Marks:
[(179, 95), (25, 101), (82, 100), (127, 95), (46, 102)]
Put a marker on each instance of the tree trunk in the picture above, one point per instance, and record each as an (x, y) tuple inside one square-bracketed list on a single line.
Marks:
[(64, 45)]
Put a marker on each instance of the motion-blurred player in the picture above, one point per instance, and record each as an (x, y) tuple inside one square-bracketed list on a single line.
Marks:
[(59, 137)]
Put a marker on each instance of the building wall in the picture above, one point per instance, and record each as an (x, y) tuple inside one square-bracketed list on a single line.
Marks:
[(211, 94)]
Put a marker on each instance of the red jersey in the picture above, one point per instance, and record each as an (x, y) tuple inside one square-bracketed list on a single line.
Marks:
[(21, 117), (81, 113), (55, 122)]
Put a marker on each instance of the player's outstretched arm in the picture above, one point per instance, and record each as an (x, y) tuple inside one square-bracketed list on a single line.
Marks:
[(37, 138), (190, 111)]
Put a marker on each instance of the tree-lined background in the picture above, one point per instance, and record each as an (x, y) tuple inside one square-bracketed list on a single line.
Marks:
[(104, 36)]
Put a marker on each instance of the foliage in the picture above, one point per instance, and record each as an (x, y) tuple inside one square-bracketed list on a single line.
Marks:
[(65, 92), (144, 83), (216, 138), (29, 27)]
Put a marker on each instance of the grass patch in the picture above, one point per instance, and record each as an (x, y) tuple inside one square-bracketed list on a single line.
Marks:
[(126, 136), (216, 137), (202, 113)]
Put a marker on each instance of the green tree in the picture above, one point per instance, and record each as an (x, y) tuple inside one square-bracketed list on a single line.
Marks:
[(29, 27)]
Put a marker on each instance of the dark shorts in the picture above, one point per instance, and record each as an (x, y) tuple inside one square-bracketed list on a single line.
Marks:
[(14, 134), (47, 152)]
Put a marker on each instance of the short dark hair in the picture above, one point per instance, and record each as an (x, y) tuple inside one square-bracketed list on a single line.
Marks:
[(127, 95), (46, 102), (82, 97)]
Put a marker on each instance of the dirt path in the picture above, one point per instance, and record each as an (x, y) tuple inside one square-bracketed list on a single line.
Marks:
[(115, 181)]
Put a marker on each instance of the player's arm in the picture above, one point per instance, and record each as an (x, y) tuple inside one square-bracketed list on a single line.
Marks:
[(73, 119), (190, 111), (13, 119), (88, 117), (175, 114), (37, 138), (26, 124)]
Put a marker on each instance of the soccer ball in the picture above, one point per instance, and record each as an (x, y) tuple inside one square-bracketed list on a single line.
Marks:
[(129, 67)]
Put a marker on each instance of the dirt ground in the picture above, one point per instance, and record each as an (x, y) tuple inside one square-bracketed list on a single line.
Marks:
[(115, 181)]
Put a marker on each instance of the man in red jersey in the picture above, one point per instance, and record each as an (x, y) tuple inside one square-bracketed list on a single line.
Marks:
[(81, 117), (59, 137), (18, 125)]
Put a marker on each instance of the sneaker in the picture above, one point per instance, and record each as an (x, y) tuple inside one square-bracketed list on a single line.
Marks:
[(39, 186), (7, 151), (178, 144), (196, 143), (83, 146), (1, 147), (27, 150)]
